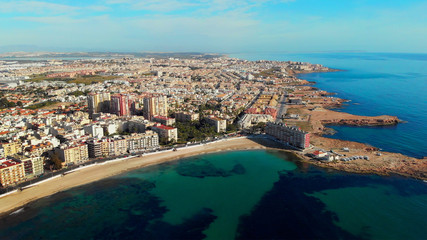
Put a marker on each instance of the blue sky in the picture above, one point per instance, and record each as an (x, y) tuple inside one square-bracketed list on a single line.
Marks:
[(214, 25)]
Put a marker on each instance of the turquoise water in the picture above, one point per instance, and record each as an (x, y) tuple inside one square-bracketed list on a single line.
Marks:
[(376, 84), (379, 213), (233, 195), (228, 197)]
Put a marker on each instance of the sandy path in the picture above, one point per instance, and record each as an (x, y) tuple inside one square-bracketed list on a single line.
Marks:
[(100, 171)]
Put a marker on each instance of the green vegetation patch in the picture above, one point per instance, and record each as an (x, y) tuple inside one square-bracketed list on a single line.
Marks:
[(194, 131), (37, 78), (293, 111), (77, 93), (268, 73), (4, 103), (42, 105), (90, 79), (304, 125)]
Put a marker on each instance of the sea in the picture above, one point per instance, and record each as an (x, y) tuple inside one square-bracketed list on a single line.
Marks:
[(263, 194), (376, 84), (256, 194)]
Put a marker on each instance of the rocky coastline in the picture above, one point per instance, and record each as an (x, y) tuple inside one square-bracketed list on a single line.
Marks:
[(378, 121), (318, 113)]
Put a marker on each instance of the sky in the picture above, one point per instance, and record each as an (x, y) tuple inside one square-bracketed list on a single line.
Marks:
[(220, 26)]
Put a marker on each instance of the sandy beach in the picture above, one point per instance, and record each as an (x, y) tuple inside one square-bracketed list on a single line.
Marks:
[(97, 172), (386, 164)]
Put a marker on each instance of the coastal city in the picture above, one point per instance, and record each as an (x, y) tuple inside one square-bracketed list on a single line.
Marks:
[(213, 119), (58, 114), (61, 114)]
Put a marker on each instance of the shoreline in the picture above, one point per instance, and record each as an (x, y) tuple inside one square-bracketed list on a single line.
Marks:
[(321, 115), (358, 120), (15, 201), (389, 164)]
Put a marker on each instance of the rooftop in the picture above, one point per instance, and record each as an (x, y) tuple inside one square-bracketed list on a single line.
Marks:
[(162, 117), (8, 163), (164, 127)]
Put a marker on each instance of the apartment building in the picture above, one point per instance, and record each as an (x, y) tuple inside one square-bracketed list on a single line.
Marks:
[(33, 166), (166, 132), (118, 146), (94, 130), (186, 117), (289, 134), (219, 124), (10, 147), (94, 148), (73, 153), (155, 105), (11, 172), (98, 102), (142, 141), (120, 105), (164, 120), (38, 149)]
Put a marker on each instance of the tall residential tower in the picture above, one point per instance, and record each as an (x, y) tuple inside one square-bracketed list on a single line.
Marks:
[(98, 102), (155, 105), (120, 104)]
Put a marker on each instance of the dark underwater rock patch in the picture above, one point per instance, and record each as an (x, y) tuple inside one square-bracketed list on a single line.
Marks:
[(207, 169)]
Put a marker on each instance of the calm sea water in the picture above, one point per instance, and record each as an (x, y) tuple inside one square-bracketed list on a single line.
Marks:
[(376, 84), (232, 195)]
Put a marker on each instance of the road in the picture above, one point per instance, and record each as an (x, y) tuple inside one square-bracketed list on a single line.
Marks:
[(281, 108)]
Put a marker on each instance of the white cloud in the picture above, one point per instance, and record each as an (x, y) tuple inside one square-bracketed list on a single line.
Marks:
[(98, 8), (205, 5), (219, 26), (39, 7), (118, 1), (34, 7), (163, 6), (151, 33), (54, 20)]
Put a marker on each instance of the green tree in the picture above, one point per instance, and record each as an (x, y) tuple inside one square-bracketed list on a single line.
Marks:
[(260, 127), (4, 103), (231, 127), (77, 93), (56, 161)]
